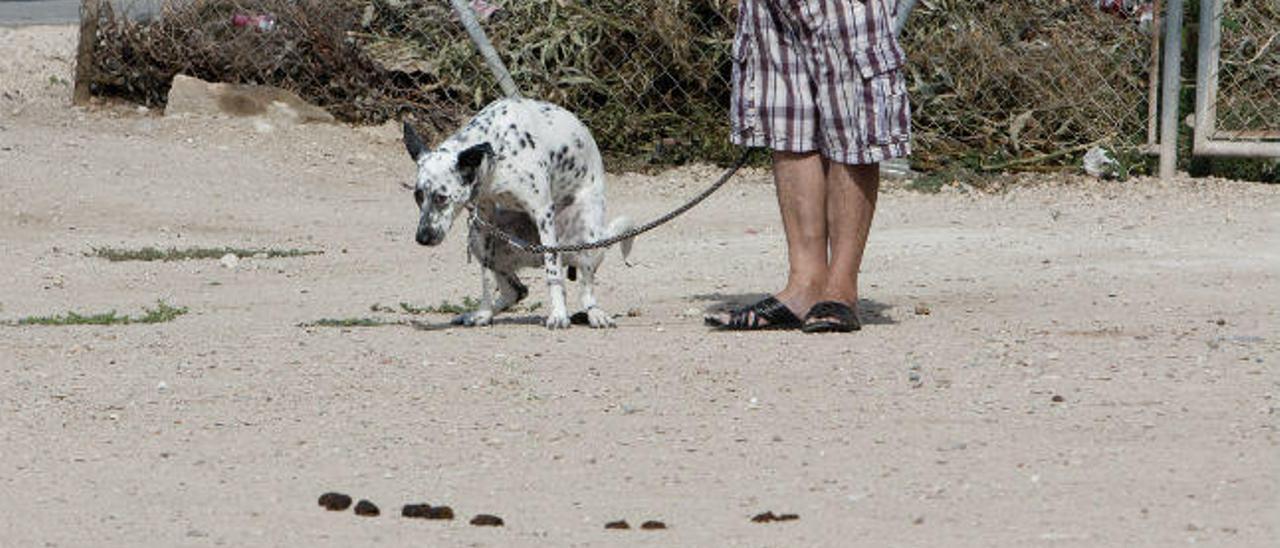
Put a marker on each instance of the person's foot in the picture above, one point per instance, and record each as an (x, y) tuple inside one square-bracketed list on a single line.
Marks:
[(797, 300), (831, 317), (769, 313)]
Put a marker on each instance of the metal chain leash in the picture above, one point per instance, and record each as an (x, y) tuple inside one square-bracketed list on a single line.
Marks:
[(486, 226)]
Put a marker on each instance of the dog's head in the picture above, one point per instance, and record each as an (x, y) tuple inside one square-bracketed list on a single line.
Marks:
[(447, 182)]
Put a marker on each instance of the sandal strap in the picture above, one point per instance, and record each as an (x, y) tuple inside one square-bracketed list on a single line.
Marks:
[(826, 311), (831, 309), (770, 309)]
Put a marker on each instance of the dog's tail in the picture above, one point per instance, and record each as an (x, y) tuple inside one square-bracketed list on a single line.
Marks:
[(618, 226)]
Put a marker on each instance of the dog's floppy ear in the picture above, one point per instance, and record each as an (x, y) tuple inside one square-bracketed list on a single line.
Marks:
[(469, 161), (412, 142)]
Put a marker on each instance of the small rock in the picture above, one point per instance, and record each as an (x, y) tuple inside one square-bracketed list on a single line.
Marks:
[(1057, 398), (229, 260), (620, 524), (426, 511), (192, 97), (335, 501), (652, 525), (415, 510), (923, 310), (486, 520), (767, 517), (366, 508), (919, 520)]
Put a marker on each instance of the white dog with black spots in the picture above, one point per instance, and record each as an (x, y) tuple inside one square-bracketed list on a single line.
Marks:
[(532, 169)]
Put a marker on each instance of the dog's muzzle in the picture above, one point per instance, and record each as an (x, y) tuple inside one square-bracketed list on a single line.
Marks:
[(426, 236)]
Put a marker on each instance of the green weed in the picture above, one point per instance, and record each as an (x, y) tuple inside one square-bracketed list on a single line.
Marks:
[(162, 313), (115, 254)]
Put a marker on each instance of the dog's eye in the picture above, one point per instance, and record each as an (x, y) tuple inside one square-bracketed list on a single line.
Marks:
[(417, 196), (439, 199)]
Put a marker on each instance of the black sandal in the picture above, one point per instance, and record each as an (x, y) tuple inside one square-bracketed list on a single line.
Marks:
[(831, 317), (769, 309)]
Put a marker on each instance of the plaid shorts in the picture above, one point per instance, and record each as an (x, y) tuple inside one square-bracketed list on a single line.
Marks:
[(820, 75)]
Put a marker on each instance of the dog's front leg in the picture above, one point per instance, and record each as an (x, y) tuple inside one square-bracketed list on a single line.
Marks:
[(484, 314), (558, 318)]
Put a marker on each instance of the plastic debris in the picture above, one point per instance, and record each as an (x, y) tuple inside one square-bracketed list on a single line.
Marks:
[(1099, 163)]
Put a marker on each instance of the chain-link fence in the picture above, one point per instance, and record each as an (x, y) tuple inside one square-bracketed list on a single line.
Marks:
[(994, 84), (1027, 83)]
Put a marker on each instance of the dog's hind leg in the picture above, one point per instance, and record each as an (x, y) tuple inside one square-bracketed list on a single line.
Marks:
[(484, 314), (597, 317), (558, 316), (510, 290)]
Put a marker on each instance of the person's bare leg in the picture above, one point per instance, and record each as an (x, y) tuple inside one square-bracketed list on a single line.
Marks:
[(800, 182), (851, 203)]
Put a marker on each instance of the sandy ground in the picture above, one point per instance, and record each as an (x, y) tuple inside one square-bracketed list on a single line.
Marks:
[(1150, 310), (64, 12)]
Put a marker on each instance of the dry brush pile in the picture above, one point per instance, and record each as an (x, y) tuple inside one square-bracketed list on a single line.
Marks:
[(989, 80), (993, 82)]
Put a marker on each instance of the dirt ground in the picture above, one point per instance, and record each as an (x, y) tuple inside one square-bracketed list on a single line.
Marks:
[(1148, 310)]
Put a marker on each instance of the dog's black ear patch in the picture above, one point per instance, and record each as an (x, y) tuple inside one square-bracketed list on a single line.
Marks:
[(469, 161), (412, 142)]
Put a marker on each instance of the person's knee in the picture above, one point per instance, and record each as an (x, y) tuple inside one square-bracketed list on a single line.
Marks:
[(864, 175), (786, 157)]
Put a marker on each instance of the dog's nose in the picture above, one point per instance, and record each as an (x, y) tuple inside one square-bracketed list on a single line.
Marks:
[(427, 236)]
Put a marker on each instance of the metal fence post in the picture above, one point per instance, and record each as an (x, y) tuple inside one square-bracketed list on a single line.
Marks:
[(84, 52), (1153, 80), (904, 11), (1206, 119), (482, 43), (1172, 84)]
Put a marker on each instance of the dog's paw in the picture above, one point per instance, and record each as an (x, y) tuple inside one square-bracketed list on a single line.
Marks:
[(475, 319), (599, 319), (558, 320)]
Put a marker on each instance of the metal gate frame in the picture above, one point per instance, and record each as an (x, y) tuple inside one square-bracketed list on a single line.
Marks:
[(1209, 141)]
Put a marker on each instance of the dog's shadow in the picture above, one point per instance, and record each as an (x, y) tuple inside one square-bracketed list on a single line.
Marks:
[(451, 323), (870, 312)]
